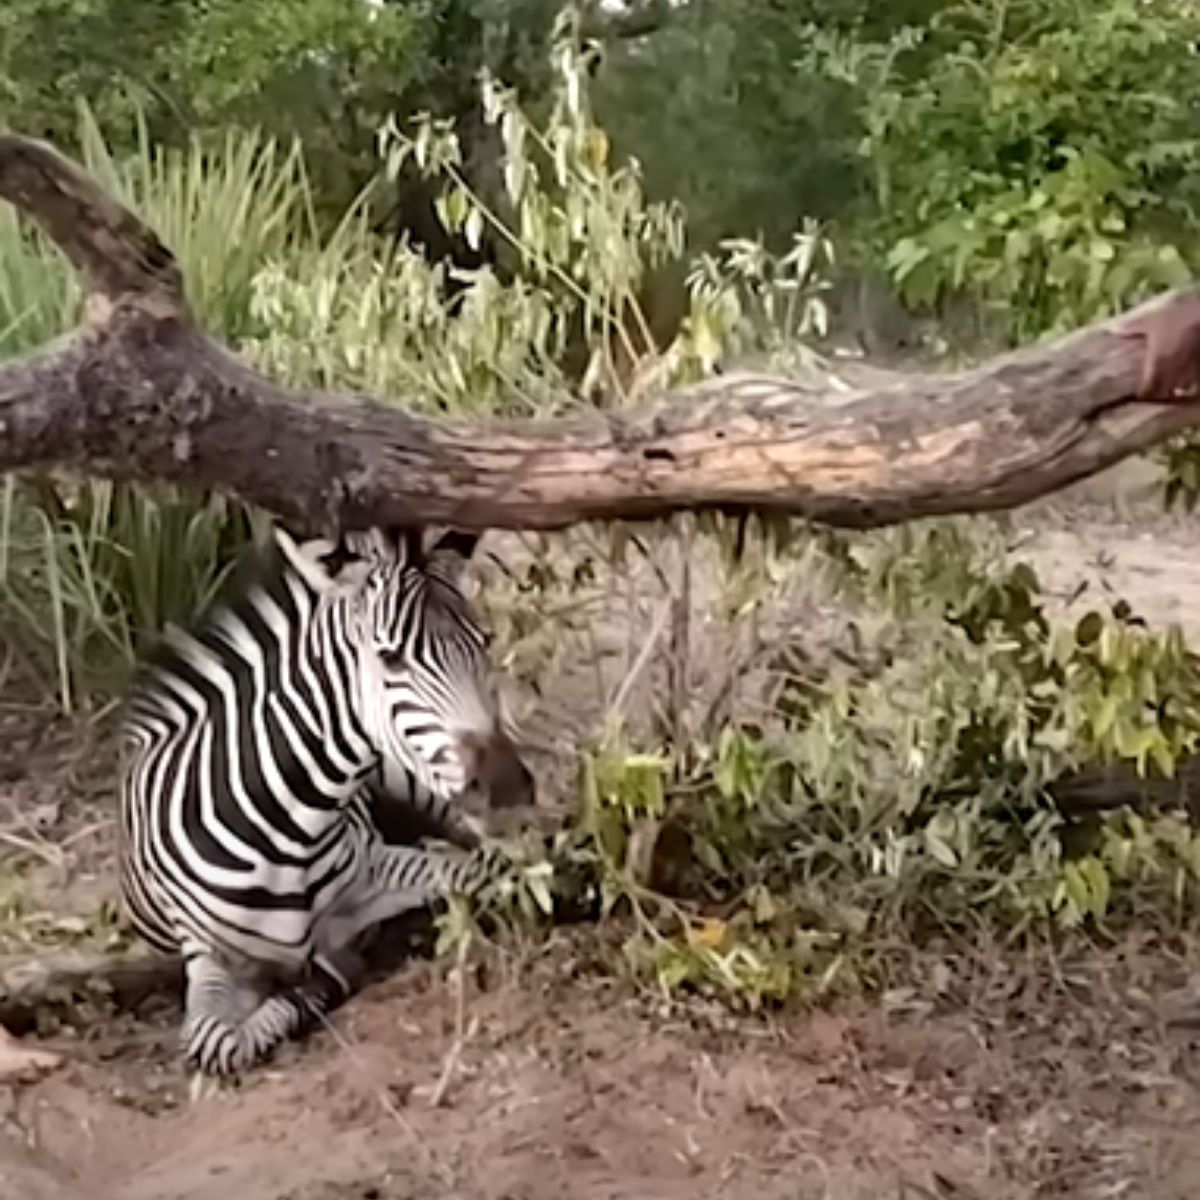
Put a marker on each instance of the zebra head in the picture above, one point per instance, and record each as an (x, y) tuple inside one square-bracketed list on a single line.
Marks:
[(427, 701)]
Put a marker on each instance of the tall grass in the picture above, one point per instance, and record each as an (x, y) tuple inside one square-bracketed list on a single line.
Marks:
[(225, 209), (88, 573), (89, 570), (38, 296)]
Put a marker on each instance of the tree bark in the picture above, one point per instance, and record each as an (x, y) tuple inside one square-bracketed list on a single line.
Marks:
[(64, 985), (140, 392), (70, 985)]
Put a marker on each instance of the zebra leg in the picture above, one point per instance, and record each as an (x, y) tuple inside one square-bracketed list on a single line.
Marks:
[(228, 1024), (421, 876), (403, 878)]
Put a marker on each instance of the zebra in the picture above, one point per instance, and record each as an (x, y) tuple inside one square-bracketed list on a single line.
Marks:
[(350, 680)]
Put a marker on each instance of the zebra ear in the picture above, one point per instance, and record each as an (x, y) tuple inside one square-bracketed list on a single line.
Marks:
[(449, 555), (456, 542), (326, 566)]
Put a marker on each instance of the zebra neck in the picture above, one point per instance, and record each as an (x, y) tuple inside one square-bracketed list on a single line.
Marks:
[(297, 696)]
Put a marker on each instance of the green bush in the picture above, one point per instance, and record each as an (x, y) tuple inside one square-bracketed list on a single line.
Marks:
[(912, 795), (1036, 159), (1040, 157)]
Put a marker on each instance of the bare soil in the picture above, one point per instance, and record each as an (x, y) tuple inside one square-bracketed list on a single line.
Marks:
[(568, 1087), (539, 1077)]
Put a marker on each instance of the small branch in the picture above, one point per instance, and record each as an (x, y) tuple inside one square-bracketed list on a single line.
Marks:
[(462, 1033), (144, 394), (1099, 789)]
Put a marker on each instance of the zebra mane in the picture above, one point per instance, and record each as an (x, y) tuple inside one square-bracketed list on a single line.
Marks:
[(323, 564), (258, 566)]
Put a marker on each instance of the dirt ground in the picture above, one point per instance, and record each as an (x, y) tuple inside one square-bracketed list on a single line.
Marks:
[(566, 1087), (544, 1079)]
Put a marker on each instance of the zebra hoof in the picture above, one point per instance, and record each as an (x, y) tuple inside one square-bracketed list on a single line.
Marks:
[(203, 1087)]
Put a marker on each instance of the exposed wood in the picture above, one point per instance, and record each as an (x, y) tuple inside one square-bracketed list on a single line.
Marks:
[(1171, 366), (60, 985), (141, 392), (69, 986)]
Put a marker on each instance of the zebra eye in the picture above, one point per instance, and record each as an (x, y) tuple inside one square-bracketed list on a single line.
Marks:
[(392, 658)]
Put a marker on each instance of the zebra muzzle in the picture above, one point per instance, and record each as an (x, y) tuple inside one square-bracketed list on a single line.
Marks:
[(500, 795)]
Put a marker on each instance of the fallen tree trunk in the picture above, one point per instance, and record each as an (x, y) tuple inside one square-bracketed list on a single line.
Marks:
[(140, 392), (69, 986), (74, 987)]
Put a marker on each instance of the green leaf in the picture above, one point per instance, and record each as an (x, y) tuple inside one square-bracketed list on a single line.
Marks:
[(942, 851), (473, 228), (1105, 717)]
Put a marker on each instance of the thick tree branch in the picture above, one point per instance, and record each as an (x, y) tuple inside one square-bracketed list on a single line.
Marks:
[(141, 392), (113, 251), (64, 983)]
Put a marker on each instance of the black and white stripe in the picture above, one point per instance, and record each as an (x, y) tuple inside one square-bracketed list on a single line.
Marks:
[(347, 676)]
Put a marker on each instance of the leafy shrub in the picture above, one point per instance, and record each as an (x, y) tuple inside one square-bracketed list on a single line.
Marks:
[(1041, 157), (911, 796), (583, 239)]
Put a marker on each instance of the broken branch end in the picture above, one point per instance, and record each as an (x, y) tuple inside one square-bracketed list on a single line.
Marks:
[(117, 254)]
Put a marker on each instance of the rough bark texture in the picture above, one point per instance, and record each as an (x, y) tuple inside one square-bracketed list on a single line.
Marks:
[(64, 984), (59, 985), (141, 392)]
